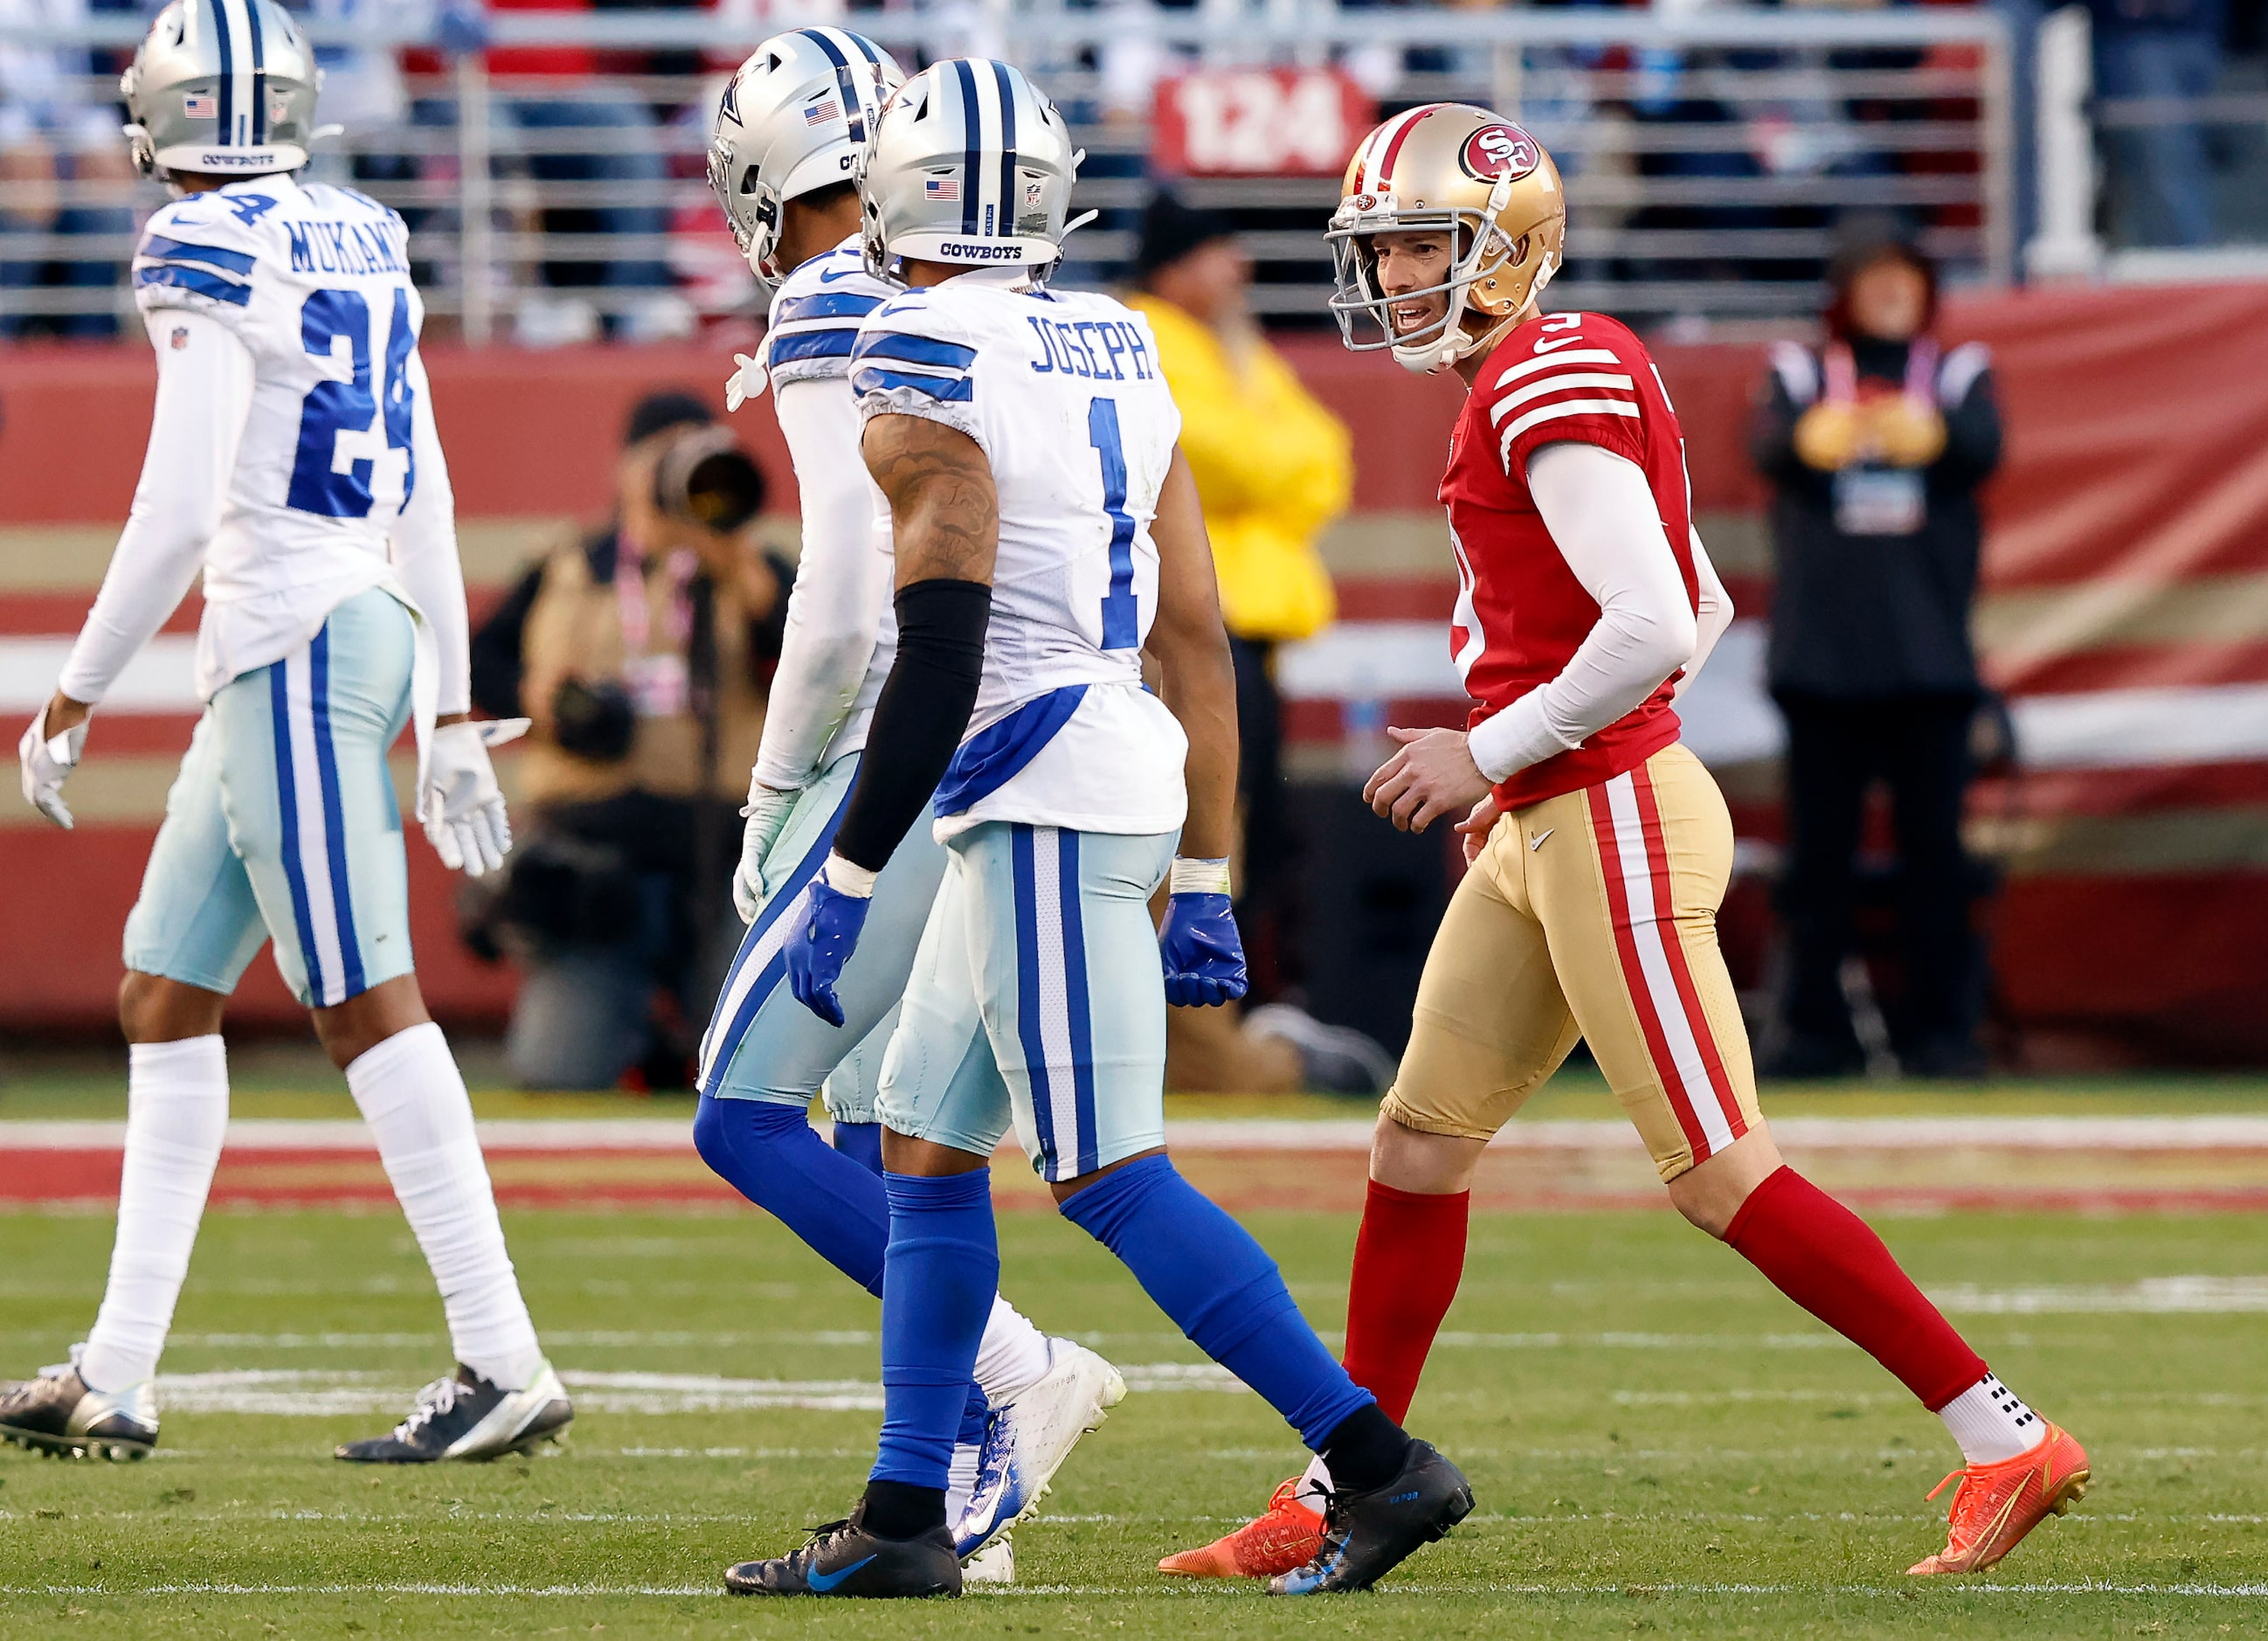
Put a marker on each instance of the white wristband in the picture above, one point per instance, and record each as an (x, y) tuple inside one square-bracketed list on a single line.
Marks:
[(1198, 876), (846, 879)]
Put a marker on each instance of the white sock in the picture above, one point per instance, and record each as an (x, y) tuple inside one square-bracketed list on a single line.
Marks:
[(176, 1117), (1314, 1481), (1013, 1356), (961, 1481), (1991, 1424), (413, 1098)]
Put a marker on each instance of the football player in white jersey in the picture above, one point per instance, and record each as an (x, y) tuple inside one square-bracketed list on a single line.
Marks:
[(293, 457), (788, 125), (1046, 531)]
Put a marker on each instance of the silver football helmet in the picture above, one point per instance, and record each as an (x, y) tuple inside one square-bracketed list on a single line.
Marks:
[(793, 118), (222, 86), (970, 164)]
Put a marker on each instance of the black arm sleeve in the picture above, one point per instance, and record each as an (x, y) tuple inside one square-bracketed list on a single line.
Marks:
[(920, 718)]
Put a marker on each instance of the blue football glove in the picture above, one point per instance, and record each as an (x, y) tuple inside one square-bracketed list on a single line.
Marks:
[(822, 943), (1204, 959)]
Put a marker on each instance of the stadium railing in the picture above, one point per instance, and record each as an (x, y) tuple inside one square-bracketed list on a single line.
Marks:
[(1708, 158)]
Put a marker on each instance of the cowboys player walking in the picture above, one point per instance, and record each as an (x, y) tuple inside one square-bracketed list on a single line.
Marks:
[(1600, 847), (1046, 533), (294, 456), (789, 126)]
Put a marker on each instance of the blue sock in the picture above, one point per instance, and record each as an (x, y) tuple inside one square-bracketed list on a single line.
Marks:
[(773, 1156), (1206, 1272), (974, 1412), (862, 1142), (944, 1268)]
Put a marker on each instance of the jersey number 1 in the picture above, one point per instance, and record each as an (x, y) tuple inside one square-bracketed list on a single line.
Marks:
[(321, 484), (1122, 620)]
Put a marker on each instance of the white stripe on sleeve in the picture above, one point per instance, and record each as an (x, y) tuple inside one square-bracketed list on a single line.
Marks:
[(1566, 407), (1553, 361), (1538, 389)]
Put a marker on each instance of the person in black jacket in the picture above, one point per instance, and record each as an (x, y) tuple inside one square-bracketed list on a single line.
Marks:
[(1875, 445)]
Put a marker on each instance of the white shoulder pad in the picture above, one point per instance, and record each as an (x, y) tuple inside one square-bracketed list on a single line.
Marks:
[(915, 354), (816, 316), (199, 253)]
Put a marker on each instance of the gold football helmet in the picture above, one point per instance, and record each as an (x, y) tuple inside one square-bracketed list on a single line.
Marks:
[(1449, 166)]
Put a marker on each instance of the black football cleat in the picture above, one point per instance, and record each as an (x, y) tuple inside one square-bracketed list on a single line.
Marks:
[(59, 1415), (842, 1558), (1368, 1535), (466, 1417)]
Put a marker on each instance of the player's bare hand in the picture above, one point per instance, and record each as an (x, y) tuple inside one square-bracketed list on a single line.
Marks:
[(1432, 775), (1477, 827)]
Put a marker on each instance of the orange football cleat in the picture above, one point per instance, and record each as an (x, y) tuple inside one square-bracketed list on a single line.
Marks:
[(1996, 1504), (1288, 1536)]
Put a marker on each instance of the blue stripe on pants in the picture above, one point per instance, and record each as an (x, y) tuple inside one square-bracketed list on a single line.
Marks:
[(1082, 1022), (1029, 1036), (335, 830), (287, 797), (722, 1049)]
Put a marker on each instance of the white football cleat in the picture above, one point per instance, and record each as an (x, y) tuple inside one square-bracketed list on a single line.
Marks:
[(995, 1563), (1027, 1441)]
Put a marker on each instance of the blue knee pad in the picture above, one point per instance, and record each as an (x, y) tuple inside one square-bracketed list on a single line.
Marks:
[(773, 1156), (1206, 1272)]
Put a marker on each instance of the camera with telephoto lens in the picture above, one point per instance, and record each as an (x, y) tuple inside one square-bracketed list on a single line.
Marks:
[(705, 478)]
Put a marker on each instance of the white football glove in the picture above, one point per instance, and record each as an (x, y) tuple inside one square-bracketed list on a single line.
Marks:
[(748, 382), (767, 810), (46, 763), (461, 806)]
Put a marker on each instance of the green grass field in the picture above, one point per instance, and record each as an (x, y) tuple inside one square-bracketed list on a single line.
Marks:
[(1659, 1443)]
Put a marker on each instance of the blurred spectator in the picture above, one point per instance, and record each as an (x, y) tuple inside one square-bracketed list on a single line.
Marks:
[(554, 95), (1875, 445), (642, 651), (2166, 52), (63, 170), (1272, 467)]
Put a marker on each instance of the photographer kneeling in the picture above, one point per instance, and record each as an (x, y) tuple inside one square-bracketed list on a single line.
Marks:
[(641, 652)]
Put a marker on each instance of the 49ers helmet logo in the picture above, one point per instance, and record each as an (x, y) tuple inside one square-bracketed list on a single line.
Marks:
[(1498, 152)]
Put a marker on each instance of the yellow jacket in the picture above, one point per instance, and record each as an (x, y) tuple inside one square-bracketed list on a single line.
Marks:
[(1272, 467)]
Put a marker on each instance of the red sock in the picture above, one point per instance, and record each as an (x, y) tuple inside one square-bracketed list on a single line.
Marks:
[(1408, 1259), (1824, 1257)]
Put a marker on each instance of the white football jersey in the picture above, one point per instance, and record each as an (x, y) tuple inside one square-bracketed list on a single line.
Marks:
[(315, 282), (815, 314), (1062, 392)]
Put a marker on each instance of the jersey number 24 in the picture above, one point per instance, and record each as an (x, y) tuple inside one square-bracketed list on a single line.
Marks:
[(320, 481)]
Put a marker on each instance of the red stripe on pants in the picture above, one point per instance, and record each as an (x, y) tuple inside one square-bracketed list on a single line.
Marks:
[(1680, 975), (1657, 1042)]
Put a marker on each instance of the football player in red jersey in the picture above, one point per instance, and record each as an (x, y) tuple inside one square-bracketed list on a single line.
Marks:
[(1599, 846)]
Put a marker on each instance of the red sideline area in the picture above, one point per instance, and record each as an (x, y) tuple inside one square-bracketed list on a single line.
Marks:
[(1540, 1179), (2138, 465)]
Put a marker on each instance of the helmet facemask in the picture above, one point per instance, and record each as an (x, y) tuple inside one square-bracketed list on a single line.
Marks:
[(1483, 254)]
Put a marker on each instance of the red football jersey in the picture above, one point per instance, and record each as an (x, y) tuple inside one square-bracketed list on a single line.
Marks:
[(1521, 613)]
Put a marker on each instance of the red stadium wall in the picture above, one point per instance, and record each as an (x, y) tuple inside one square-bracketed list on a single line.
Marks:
[(2127, 575)]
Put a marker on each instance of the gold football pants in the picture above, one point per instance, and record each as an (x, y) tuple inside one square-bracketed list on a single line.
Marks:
[(1590, 915)]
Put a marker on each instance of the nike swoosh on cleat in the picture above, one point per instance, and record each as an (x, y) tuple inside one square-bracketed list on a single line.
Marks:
[(825, 1583)]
